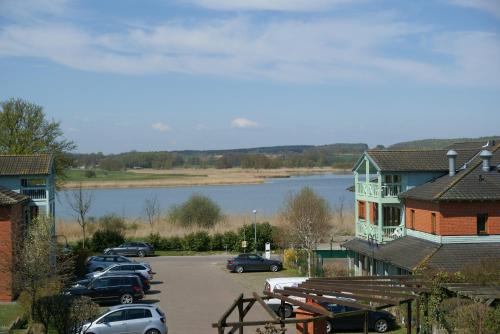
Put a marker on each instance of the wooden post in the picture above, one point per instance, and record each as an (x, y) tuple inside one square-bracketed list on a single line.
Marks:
[(304, 328), (240, 315), (417, 315), (365, 326), (408, 317), (282, 313)]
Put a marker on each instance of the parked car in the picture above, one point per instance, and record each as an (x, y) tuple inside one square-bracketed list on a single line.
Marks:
[(140, 249), (111, 289), (280, 283), (253, 262), (146, 284), (99, 262), (379, 321), (117, 268), (134, 318)]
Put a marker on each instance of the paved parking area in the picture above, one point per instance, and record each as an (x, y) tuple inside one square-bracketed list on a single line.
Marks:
[(194, 291)]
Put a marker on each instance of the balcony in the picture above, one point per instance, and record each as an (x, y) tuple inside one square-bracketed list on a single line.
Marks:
[(34, 193), (387, 190), (370, 231)]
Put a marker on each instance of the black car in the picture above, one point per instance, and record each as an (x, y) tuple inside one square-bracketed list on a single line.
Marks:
[(379, 321), (253, 262), (140, 249), (145, 283), (111, 289)]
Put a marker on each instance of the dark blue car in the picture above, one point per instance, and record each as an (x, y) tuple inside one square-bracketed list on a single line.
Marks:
[(379, 321), (253, 262)]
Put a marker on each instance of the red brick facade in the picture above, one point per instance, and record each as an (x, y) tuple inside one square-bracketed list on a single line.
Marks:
[(10, 224), (452, 218)]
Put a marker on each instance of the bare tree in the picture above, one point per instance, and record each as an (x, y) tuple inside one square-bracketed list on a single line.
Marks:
[(306, 218), (80, 202), (152, 210)]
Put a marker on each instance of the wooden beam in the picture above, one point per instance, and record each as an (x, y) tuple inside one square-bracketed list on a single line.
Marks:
[(224, 316), (346, 295), (307, 307), (266, 307), (408, 320), (360, 290)]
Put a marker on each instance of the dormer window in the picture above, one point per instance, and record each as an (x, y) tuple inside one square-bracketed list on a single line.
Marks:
[(482, 223)]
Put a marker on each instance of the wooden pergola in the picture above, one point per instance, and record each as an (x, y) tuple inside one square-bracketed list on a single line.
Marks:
[(488, 294), (364, 293)]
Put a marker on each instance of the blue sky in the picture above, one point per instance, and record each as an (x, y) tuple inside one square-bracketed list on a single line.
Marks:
[(211, 74)]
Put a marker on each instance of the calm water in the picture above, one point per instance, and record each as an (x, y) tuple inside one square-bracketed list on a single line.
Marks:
[(266, 198)]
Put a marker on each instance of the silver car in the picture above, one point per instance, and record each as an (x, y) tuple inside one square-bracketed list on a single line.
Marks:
[(116, 268), (131, 319)]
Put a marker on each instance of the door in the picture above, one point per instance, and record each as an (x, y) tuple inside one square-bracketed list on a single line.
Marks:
[(113, 323), (354, 322), (138, 319), (99, 290), (256, 262)]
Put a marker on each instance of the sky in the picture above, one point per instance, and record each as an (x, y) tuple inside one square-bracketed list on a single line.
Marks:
[(148, 75)]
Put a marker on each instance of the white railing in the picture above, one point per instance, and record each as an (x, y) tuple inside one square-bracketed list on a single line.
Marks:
[(34, 193), (373, 189), (370, 231)]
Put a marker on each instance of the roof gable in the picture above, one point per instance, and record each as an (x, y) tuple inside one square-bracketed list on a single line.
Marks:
[(9, 197), (36, 164)]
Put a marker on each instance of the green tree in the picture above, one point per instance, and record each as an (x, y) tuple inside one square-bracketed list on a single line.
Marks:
[(306, 217), (24, 129), (198, 210)]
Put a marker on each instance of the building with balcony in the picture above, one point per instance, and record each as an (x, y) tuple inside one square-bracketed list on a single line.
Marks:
[(415, 206), (27, 190)]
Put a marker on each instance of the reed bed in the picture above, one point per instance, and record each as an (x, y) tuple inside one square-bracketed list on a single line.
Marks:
[(140, 229)]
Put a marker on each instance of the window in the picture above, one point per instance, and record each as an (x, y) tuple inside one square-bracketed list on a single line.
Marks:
[(101, 283), (136, 313), (388, 179), (138, 267), (361, 210), (115, 281), (482, 223), (113, 317), (33, 183), (254, 257), (433, 223), (412, 219)]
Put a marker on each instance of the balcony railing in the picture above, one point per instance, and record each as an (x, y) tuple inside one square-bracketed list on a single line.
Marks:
[(34, 193), (370, 231), (373, 189)]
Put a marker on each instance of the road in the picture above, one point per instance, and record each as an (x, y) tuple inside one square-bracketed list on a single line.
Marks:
[(194, 291)]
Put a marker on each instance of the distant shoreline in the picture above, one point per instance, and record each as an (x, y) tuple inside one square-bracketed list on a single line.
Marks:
[(185, 177)]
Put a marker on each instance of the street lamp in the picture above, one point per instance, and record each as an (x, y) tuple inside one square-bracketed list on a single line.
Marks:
[(255, 229)]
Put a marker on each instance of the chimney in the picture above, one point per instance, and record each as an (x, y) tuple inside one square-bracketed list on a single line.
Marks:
[(452, 161), (486, 156)]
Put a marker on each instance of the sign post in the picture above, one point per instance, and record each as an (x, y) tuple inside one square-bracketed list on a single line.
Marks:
[(268, 250)]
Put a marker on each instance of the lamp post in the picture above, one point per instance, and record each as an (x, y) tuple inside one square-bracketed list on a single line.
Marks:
[(255, 229)]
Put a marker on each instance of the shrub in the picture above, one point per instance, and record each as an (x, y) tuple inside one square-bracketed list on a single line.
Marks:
[(198, 210), (155, 240), (90, 173), (112, 222), (198, 242), (217, 242), (265, 233), (103, 239), (231, 241)]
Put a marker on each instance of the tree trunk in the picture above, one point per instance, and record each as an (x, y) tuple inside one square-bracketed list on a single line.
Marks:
[(309, 263), (83, 232)]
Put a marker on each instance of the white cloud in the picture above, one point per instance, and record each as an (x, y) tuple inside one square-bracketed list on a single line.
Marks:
[(244, 123), (271, 5), (331, 50), (160, 126), (490, 6)]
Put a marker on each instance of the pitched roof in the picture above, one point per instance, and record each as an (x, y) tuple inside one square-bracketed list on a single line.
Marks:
[(36, 164), (471, 183), (416, 160), (9, 197), (471, 145), (409, 253)]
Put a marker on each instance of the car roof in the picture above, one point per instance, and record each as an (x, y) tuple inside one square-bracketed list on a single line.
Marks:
[(118, 307), (116, 275), (281, 280)]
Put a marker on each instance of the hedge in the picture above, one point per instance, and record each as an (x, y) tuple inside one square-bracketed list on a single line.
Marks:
[(202, 241)]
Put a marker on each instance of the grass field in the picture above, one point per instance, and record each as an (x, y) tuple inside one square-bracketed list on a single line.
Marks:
[(8, 313), (78, 175)]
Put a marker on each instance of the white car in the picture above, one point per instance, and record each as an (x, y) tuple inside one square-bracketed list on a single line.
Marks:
[(115, 269), (280, 283), (133, 319)]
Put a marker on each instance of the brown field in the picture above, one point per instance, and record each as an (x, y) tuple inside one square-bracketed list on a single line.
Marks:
[(195, 177), (140, 229)]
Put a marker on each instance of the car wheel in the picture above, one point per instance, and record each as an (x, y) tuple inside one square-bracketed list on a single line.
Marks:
[(329, 327), (381, 326), (288, 311), (239, 269), (153, 331), (141, 253), (274, 268), (126, 298)]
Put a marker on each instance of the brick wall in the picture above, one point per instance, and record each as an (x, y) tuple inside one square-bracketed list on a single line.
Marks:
[(10, 222), (452, 218)]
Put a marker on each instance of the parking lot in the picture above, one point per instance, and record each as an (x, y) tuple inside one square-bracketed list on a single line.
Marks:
[(194, 291)]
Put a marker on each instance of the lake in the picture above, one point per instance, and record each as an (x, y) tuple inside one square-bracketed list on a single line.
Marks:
[(267, 198)]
